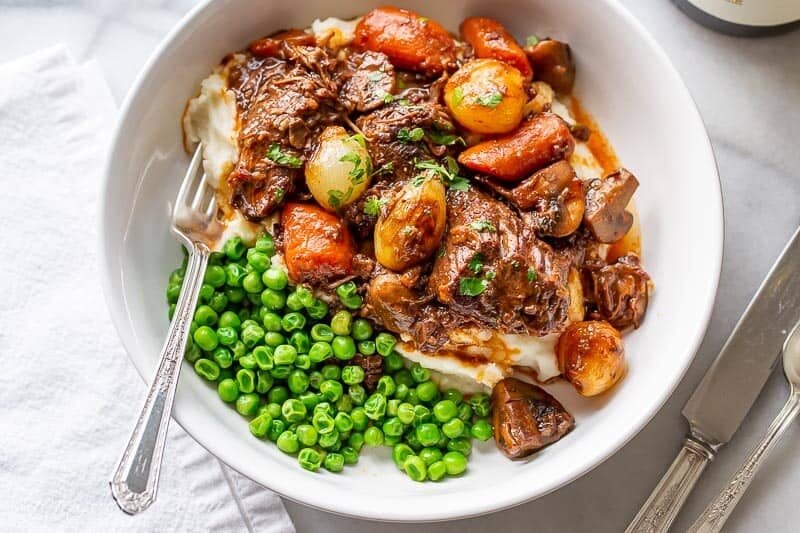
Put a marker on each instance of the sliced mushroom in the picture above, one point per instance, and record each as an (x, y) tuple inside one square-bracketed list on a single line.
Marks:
[(526, 418), (552, 62), (606, 200), (621, 292)]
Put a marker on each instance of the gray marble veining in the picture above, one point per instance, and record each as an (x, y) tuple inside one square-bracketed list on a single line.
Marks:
[(748, 91)]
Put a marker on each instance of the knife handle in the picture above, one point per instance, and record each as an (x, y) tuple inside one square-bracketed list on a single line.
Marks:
[(666, 500)]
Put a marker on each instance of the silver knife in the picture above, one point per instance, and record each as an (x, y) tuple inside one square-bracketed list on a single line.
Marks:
[(727, 391)]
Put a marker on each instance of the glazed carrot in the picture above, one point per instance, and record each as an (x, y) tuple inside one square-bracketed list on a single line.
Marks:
[(411, 42), (317, 245), (491, 40), (543, 139), (269, 46)]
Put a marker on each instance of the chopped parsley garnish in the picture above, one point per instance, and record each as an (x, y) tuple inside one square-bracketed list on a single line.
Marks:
[(471, 286), (375, 76), (360, 168), (384, 169), (282, 158), (532, 40), (404, 102), (532, 275), (447, 172), (491, 100), (458, 96), (373, 206), (440, 253), (408, 136), (357, 137), (483, 225), (476, 263), (445, 139), (388, 98), (279, 193), (336, 198), (418, 180), (401, 84), (490, 275)]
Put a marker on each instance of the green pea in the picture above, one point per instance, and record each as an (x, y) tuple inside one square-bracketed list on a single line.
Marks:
[(391, 407), (385, 343), (428, 434), (227, 336), (173, 292), (193, 352), (206, 293), (227, 390), (346, 289), (403, 377), (280, 371), (273, 300), (437, 470), (318, 309), (391, 441), (343, 422), (405, 412), (344, 348), (419, 374), (235, 295), (357, 393), (234, 274), (306, 434), (205, 316), (262, 356), (480, 404), (373, 436), (453, 428), (274, 409), (331, 390), (264, 382), (252, 335), (293, 410), (349, 454), (293, 321), (415, 468), (271, 321), (243, 313), (334, 462), (259, 261), (375, 406), (412, 397), (465, 412), (386, 386), (412, 440), (176, 276), (259, 426), (206, 338), (285, 354), (300, 341), (275, 278), (247, 404), (353, 374), (171, 311), (430, 455), (207, 369), (454, 395), (393, 362), (342, 323), (455, 463), (238, 349), (392, 427), (322, 422), (401, 392), (222, 356), (215, 276), (287, 442), (246, 380), (359, 418), (278, 394), (356, 440), (481, 430), (247, 361), (427, 391), (324, 407), (293, 301), (331, 372), (218, 302), (463, 445), (309, 399), (302, 362), (265, 244), (319, 351), (362, 329), (229, 319), (322, 332), (297, 381), (366, 347), (310, 459), (252, 283), (276, 428), (234, 248), (274, 339), (315, 379), (401, 452)]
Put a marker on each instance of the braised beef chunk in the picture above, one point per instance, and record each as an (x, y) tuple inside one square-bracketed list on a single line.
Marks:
[(526, 418), (271, 46), (283, 102), (606, 200), (367, 77), (387, 129), (620, 292), (494, 270)]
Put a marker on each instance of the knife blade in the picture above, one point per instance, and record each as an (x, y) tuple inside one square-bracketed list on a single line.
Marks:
[(728, 389), (733, 382)]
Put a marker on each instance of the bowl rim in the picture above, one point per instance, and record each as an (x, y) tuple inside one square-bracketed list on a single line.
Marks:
[(499, 502)]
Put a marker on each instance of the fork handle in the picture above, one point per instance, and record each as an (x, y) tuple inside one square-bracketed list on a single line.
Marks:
[(134, 483), (721, 507)]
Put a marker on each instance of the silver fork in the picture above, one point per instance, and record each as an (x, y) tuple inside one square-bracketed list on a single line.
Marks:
[(717, 512), (134, 483)]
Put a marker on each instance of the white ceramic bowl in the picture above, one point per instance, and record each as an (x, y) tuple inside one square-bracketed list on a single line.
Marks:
[(624, 79)]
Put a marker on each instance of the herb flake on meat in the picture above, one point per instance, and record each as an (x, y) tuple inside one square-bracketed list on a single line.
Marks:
[(373, 206), (408, 136), (282, 158), (493, 100), (471, 286), (532, 275), (483, 225), (447, 172), (476, 263)]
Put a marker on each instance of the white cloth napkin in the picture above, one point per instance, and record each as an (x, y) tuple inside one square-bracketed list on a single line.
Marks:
[(68, 394)]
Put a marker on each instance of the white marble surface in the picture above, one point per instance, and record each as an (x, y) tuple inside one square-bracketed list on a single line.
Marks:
[(748, 92)]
